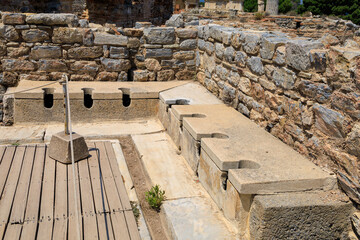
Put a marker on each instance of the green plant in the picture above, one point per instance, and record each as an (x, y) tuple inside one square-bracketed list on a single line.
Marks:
[(135, 210), (259, 15), (155, 196), (349, 10), (285, 6), (250, 5)]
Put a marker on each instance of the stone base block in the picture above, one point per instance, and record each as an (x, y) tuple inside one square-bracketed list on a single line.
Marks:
[(163, 114), (190, 150), (175, 130), (235, 206), (59, 148), (316, 215)]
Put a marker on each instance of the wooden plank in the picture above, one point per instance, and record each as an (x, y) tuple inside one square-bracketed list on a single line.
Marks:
[(13, 231), (19, 204), (100, 199), (10, 187), (61, 206), (46, 218), (117, 176), (118, 220), (5, 166), (2, 151), (87, 202), (73, 225), (129, 216), (132, 226), (33, 202)]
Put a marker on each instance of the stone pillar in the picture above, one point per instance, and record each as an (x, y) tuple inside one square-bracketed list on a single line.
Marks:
[(261, 5), (186, 5), (272, 7)]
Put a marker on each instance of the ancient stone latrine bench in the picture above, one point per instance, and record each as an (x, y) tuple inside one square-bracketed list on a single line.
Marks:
[(258, 181), (261, 184)]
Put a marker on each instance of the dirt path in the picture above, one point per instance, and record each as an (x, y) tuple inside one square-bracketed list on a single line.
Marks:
[(142, 184)]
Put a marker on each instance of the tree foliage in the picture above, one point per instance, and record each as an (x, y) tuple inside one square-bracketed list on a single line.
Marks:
[(285, 6), (346, 9), (250, 5)]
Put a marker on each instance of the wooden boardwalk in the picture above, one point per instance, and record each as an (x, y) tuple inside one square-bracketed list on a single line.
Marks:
[(37, 197)]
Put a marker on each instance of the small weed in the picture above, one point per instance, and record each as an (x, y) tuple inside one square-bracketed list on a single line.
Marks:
[(259, 15), (15, 144), (135, 210), (155, 196)]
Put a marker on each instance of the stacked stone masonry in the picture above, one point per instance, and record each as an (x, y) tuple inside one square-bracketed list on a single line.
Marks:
[(304, 91), (43, 47)]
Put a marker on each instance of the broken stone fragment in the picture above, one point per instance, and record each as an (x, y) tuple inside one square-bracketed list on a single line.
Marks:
[(140, 75), (298, 53), (353, 140), (115, 65), (269, 44), (186, 33), (256, 66), (176, 20), (158, 53), (18, 65), (219, 50), (152, 64), (119, 52), (67, 35), (107, 76), (70, 20), (108, 39), (185, 75), (329, 121), (189, 44), (52, 66), (184, 55), (13, 18), (39, 52), (88, 67), (251, 43), (284, 77), (160, 35), (318, 91), (9, 79), (9, 33), (85, 52), (17, 52), (35, 35)]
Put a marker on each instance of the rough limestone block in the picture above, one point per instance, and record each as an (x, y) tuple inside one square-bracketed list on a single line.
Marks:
[(53, 19), (9, 33), (175, 129), (163, 114), (13, 18), (298, 53), (190, 150), (212, 178), (60, 148), (236, 207), (108, 39), (322, 215), (160, 35)]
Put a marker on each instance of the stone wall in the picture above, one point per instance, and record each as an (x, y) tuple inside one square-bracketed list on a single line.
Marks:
[(45, 46), (305, 92), (120, 12)]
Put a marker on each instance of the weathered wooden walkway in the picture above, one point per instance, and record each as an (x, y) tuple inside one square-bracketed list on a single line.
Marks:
[(37, 197)]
